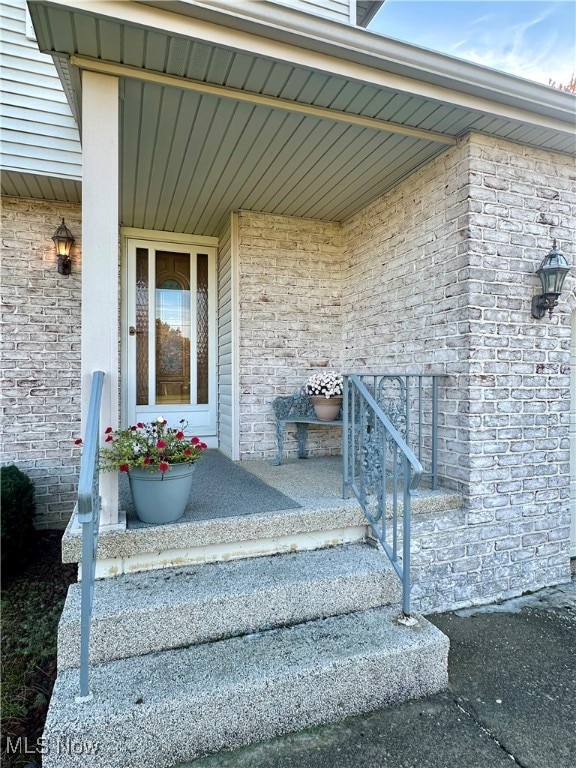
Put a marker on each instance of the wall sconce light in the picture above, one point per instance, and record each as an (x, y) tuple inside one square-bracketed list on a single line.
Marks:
[(552, 273), (63, 241)]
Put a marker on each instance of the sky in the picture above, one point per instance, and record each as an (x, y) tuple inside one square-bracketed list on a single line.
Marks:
[(533, 39)]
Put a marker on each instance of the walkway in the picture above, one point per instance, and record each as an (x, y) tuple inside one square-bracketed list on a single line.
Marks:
[(512, 695)]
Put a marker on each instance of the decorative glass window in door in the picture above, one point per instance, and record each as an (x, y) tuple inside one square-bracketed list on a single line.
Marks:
[(173, 331)]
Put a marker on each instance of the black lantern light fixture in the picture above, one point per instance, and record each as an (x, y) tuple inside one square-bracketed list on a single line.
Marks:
[(63, 241), (552, 273)]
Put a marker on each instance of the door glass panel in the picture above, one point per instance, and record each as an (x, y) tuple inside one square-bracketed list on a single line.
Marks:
[(142, 330), (202, 328), (173, 328)]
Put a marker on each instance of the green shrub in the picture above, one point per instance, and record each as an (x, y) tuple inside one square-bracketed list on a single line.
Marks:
[(18, 510)]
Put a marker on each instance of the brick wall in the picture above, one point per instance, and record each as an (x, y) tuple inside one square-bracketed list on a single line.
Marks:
[(453, 251), (41, 353), (406, 304), (290, 273), (519, 378)]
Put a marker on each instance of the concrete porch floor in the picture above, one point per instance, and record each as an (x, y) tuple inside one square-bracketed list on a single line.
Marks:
[(223, 488), (318, 482), (243, 509), (310, 482)]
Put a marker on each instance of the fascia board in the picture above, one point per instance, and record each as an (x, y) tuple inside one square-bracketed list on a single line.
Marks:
[(340, 49), (375, 50)]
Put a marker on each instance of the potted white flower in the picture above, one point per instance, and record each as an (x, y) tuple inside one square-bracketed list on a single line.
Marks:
[(326, 389)]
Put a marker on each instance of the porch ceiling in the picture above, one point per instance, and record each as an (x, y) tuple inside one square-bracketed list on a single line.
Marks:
[(41, 187), (190, 157)]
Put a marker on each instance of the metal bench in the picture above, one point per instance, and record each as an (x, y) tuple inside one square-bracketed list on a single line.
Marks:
[(296, 409)]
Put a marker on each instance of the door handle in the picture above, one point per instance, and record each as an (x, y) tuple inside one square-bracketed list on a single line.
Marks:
[(132, 331)]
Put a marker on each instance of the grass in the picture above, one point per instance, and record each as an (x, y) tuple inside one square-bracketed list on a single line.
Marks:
[(32, 601)]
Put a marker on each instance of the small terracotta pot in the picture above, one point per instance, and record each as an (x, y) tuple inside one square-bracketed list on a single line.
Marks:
[(327, 408)]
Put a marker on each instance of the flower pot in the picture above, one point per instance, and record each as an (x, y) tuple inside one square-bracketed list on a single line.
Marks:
[(161, 497), (327, 408)]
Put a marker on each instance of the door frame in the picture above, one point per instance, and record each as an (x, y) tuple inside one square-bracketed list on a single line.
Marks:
[(177, 239)]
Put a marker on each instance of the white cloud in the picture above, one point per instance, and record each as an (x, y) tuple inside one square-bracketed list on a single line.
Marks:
[(533, 39), (531, 48)]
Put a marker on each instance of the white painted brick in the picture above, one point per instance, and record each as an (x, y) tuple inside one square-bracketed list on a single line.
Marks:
[(43, 326)]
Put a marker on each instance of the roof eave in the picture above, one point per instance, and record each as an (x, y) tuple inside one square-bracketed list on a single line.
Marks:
[(365, 11), (349, 44)]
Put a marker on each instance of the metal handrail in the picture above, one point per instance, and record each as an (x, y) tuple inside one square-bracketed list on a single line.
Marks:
[(377, 459), (89, 518)]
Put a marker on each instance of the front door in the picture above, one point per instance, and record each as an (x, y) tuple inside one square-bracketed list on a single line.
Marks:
[(171, 334)]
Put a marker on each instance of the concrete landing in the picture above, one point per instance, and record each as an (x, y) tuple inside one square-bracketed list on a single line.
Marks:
[(324, 519)]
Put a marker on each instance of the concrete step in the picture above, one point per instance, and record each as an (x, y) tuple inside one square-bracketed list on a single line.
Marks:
[(158, 710), (147, 612), (329, 522)]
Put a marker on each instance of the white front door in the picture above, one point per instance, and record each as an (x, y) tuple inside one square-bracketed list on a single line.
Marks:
[(170, 334)]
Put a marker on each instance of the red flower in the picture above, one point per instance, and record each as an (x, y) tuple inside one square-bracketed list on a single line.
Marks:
[(179, 435), (160, 444), (187, 451), (108, 430), (78, 442), (203, 446), (133, 428), (163, 466), (195, 440), (140, 425), (124, 467), (147, 460), (109, 439)]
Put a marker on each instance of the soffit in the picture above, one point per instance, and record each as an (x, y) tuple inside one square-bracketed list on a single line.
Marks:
[(65, 31), (223, 155), (366, 10), (18, 184), (189, 158)]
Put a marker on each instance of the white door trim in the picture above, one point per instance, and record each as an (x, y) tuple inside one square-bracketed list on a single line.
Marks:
[(131, 233), (148, 239)]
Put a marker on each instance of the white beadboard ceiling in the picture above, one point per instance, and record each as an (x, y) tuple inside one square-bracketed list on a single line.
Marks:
[(189, 158)]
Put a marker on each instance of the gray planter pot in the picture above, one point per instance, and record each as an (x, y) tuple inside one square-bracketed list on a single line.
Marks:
[(161, 497)]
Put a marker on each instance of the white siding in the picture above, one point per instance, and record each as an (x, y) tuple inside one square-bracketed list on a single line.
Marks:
[(339, 10), (39, 135), (225, 345)]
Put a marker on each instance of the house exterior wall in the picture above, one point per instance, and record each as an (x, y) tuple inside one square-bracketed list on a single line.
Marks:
[(290, 322), (455, 247), (39, 135), (41, 353), (454, 250), (337, 10)]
